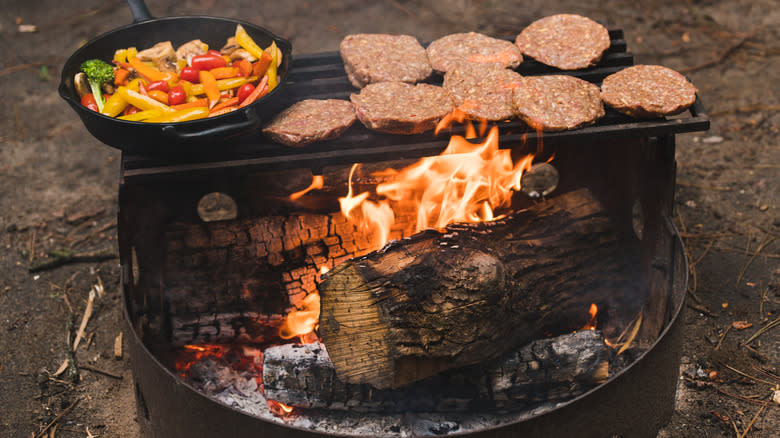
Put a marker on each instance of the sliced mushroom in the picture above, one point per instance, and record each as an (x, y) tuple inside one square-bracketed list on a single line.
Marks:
[(230, 46), (162, 54), (81, 84), (242, 54), (191, 49)]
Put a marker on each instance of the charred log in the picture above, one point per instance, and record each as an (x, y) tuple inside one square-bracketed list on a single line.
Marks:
[(546, 370), (444, 300)]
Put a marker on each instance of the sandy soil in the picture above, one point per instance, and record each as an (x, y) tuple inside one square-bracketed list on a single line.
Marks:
[(58, 189)]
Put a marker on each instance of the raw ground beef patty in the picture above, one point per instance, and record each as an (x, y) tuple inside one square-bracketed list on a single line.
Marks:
[(449, 51), (311, 120), (372, 58), (483, 91), (647, 91), (400, 108), (557, 102), (565, 41)]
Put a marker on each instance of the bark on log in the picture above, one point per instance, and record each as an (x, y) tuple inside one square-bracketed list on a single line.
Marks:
[(546, 370), (444, 300)]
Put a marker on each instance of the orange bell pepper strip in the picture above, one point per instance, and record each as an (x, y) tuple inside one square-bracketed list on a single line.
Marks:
[(260, 90), (229, 102), (210, 87), (151, 74), (224, 72), (120, 76), (195, 103), (244, 67), (223, 110), (261, 65), (159, 96), (181, 115)]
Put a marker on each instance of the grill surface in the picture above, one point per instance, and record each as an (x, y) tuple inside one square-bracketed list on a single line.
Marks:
[(322, 76)]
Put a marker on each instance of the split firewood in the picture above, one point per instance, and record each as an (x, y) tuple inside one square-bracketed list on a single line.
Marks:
[(552, 369), (441, 300)]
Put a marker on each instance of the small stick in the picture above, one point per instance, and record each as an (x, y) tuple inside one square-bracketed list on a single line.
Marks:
[(103, 372), (118, 347), (747, 429), (766, 242), (743, 374), (761, 331), (722, 337), (725, 54), (702, 309), (66, 256), (57, 418), (706, 250), (84, 320), (32, 246)]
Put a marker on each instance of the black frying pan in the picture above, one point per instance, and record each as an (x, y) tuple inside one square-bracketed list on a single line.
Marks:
[(171, 138)]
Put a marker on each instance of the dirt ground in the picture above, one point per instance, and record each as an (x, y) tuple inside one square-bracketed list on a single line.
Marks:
[(58, 190)]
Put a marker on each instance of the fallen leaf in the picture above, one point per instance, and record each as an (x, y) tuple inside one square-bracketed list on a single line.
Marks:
[(741, 325)]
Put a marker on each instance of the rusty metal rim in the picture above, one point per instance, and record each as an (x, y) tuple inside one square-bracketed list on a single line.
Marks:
[(620, 390)]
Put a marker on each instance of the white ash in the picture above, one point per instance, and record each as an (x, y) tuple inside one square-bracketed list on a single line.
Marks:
[(239, 390)]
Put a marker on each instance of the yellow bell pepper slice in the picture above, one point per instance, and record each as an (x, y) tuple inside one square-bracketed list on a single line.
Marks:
[(271, 72), (142, 115), (244, 40), (114, 105), (142, 102), (184, 115)]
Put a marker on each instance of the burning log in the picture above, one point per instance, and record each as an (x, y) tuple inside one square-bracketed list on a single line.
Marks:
[(444, 300), (546, 370)]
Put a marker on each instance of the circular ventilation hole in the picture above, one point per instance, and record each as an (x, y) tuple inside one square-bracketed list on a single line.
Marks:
[(217, 206), (540, 181)]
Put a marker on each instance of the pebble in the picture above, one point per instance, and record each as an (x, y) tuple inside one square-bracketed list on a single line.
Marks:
[(713, 139)]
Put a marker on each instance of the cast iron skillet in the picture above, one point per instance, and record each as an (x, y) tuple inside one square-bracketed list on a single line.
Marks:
[(172, 138)]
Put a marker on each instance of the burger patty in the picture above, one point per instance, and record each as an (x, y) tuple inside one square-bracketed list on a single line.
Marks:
[(483, 91), (400, 108), (557, 102), (565, 41), (372, 58), (311, 120), (447, 52), (648, 91)]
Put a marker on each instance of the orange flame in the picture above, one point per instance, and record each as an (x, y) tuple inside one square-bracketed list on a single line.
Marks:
[(317, 182), (301, 322), (371, 218), (466, 183), (279, 409), (591, 324)]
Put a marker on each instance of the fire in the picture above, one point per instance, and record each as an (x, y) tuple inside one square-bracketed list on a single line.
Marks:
[(468, 182), (591, 325), (372, 219), (279, 409), (301, 322), (317, 182)]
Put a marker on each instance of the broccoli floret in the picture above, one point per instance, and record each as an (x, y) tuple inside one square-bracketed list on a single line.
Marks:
[(98, 73)]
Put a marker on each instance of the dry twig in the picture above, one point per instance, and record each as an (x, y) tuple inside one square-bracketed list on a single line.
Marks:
[(722, 57), (766, 242), (57, 418), (762, 330), (99, 371)]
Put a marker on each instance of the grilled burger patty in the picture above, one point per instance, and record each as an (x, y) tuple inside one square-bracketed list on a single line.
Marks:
[(311, 120), (400, 108), (557, 102), (372, 58), (565, 41), (647, 91), (483, 91), (447, 52)]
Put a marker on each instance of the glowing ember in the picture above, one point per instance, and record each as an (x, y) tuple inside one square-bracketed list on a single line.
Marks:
[(317, 182), (279, 409), (301, 322)]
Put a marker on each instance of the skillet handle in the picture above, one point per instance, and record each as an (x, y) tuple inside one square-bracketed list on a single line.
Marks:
[(218, 132), (140, 11)]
